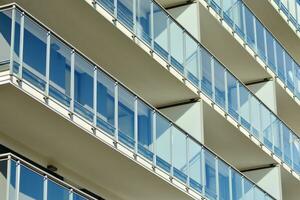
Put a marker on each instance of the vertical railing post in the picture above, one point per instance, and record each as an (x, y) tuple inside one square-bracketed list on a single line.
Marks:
[(266, 46), (152, 24), (21, 51), (171, 149), (48, 63), (72, 84), (217, 177), (115, 8), (18, 172), (187, 160), (281, 141), (238, 101), (136, 125), (169, 38), (116, 111), (226, 92), (71, 194), (8, 176), (185, 70), (45, 188), (12, 42), (212, 64), (230, 184), (199, 65), (203, 170), (275, 58), (154, 136), (95, 96), (255, 36)]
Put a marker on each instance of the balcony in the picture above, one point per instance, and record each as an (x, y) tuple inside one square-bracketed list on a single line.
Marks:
[(17, 174), (67, 82)]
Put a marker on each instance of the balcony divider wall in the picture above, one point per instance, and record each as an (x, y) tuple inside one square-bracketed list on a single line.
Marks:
[(67, 77), (152, 25)]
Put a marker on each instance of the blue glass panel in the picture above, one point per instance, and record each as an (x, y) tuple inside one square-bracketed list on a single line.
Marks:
[(12, 185), (249, 191), (259, 194), (143, 16), (16, 49), (31, 184), (83, 88), (34, 53), (237, 189), (228, 12), (255, 121), (210, 175), (192, 60), (206, 66), (179, 151), (125, 12), (238, 18), (296, 153), (249, 25), (297, 79), (145, 136), (176, 43), (271, 52), (160, 21), (107, 4), (260, 37), (105, 103), (60, 67), (232, 96), (219, 73), (280, 62), (56, 191), (277, 135), (223, 181), (163, 143), (126, 117), (244, 106), (78, 197), (5, 36), (287, 145), (195, 163), (289, 64), (266, 127)]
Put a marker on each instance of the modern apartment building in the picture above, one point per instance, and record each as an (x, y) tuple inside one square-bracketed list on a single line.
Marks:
[(149, 100)]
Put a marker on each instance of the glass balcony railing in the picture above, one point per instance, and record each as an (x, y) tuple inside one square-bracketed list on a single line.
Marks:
[(45, 62), (22, 180), (291, 8), (244, 23), (157, 29)]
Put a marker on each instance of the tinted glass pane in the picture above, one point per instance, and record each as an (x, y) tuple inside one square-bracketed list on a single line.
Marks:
[(60, 67), (160, 19), (83, 87), (12, 185), (176, 43), (289, 64), (34, 53), (223, 181), (179, 154), (125, 12), (249, 22), (195, 163), (297, 73), (296, 153), (206, 80), (144, 20), (78, 197), (249, 191), (237, 190), (107, 4), (16, 51), (5, 36), (126, 117), (31, 185), (280, 62), (56, 191), (238, 17), (270, 51), (287, 145), (258, 194), (145, 137), (232, 96), (105, 103), (255, 112), (163, 143), (210, 175), (266, 127), (219, 73), (192, 60), (244, 106), (260, 36), (277, 135)]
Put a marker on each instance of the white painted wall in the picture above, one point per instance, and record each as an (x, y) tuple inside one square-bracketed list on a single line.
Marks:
[(269, 179), (188, 16), (266, 92), (189, 117)]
